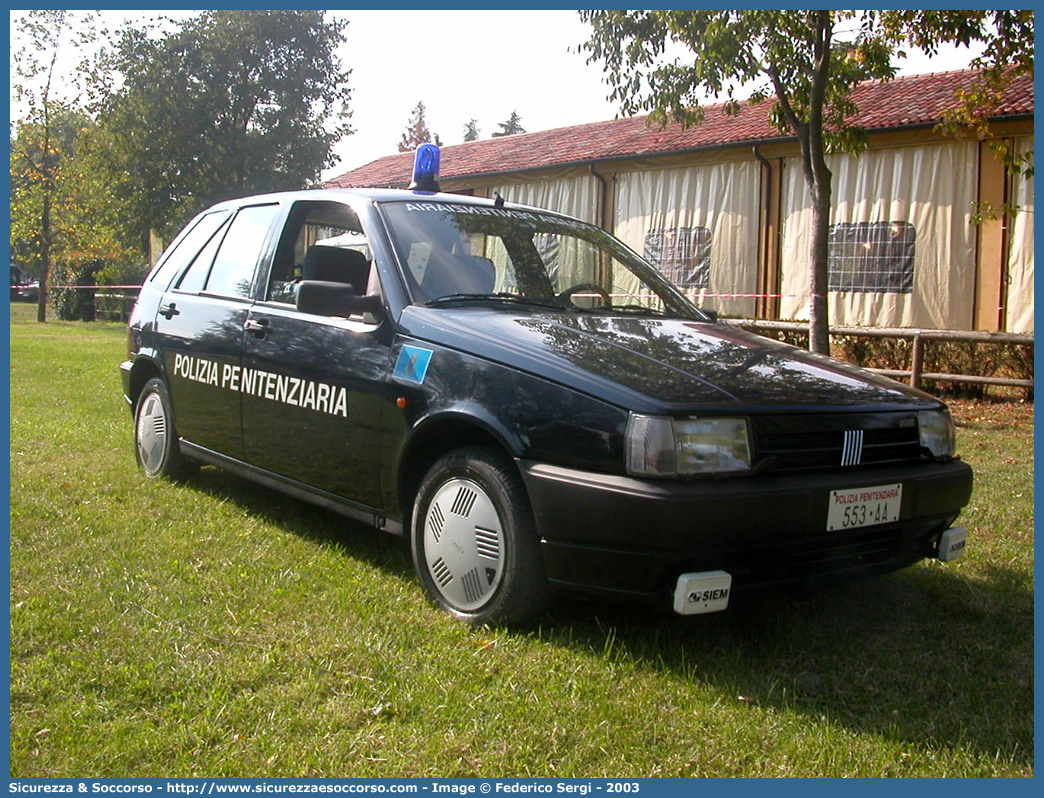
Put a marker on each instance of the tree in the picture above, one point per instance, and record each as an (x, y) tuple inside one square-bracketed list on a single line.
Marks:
[(511, 127), (792, 56), (43, 139), (471, 130), (226, 104), (83, 223), (1007, 40), (417, 132)]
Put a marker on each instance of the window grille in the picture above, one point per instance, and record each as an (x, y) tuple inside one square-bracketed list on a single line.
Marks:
[(872, 257), (682, 255)]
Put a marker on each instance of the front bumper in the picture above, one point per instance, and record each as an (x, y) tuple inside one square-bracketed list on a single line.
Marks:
[(125, 377), (615, 535)]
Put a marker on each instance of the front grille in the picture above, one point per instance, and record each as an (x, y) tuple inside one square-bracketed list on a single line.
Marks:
[(800, 442)]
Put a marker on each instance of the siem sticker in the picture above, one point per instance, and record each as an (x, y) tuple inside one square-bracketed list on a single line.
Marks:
[(412, 364)]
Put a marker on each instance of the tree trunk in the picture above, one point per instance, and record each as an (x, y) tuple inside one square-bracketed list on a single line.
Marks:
[(45, 259), (818, 177), (818, 278)]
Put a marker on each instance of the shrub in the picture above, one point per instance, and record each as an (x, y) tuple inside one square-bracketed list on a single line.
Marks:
[(969, 358), (73, 304), (115, 305), (975, 358)]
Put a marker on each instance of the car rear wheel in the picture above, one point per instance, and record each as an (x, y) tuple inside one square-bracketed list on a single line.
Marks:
[(474, 541), (155, 437)]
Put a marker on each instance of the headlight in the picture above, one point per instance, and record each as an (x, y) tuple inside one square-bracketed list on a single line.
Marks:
[(938, 434), (665, 447)]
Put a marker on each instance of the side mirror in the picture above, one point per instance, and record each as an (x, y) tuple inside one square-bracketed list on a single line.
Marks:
[(323, 298)]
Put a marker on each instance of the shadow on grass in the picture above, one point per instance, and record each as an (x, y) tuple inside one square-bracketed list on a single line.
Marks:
[(323, 527), (926, 656)]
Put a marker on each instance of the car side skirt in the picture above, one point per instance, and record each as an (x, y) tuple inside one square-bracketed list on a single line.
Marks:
[(357, 512)]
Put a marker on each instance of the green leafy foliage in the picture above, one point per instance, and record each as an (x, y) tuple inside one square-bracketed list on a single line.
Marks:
[(1007, 40), (664, 62), (417, 133), (38, 154), (42, 141), (511, 127), (228, 104), (165, 120), (1006, 37), (83, 228)]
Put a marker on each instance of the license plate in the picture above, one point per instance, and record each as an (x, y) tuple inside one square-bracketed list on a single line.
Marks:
[(858, 507)]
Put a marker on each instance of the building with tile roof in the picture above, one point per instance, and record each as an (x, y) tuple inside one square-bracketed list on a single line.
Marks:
[(721, 206)]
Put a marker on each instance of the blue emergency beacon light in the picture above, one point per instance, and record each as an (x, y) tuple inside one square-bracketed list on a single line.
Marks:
[(426, 169)]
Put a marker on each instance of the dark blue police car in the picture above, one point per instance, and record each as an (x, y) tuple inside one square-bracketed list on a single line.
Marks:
[(529, 401)]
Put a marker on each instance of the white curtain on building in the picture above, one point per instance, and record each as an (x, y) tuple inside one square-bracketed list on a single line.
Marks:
[(1020, 249), (699, 226), (573, 196), (904, 243)]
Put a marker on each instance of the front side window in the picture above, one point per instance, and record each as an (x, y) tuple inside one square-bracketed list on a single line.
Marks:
[(452, 252), (321, 241), (682, 254), (872, 257)]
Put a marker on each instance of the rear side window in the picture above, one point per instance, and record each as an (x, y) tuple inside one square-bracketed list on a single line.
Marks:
[(233, 269), (187, 248)]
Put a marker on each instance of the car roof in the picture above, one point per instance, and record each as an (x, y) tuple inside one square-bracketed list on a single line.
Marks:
[(370, 195)]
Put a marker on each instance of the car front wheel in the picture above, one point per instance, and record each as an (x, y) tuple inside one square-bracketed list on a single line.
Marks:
[(474, 540), (155, 437)]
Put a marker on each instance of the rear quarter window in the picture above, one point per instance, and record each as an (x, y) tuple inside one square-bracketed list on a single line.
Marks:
[(187, 248)]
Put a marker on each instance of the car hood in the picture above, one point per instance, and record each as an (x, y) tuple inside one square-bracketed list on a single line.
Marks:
[(660, 365)]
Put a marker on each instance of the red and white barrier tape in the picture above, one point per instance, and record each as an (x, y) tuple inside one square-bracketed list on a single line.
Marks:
[(641, 296), (137, 287)]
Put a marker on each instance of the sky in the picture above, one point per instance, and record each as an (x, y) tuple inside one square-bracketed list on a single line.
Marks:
[(483, 65), (464, 65), (474, 64)]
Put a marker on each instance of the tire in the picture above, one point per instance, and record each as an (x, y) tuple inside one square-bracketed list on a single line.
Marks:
[(156, 437), (474, 541)]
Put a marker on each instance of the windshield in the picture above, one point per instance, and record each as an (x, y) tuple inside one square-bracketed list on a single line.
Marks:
[(457, 253)]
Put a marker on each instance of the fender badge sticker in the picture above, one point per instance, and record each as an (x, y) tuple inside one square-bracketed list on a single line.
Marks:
[(412, 364)]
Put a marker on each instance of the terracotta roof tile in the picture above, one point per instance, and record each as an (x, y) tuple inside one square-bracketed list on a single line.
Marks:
[(905, 101)]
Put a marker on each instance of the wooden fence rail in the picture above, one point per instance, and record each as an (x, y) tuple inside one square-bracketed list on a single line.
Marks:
[(915, 373), (115, 303)]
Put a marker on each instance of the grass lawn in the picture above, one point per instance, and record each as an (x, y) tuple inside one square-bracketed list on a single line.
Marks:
[(218, 629)]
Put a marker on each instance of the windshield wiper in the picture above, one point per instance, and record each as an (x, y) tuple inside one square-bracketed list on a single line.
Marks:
[(638, 310), (498, 296)]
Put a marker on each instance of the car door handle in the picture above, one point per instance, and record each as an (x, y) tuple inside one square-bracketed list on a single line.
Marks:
[(256, 327), (169, 310)]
